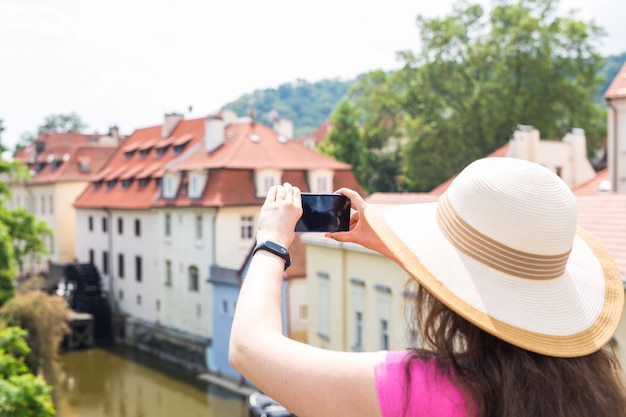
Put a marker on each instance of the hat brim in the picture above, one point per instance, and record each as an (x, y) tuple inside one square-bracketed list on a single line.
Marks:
[(573, 315)]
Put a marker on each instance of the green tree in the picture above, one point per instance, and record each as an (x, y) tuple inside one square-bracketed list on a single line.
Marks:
[(477, 76), (21, 234), (344, 141), (46, 318), (22, 394)]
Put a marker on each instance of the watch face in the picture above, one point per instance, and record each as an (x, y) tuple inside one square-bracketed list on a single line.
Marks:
[(277, 247)]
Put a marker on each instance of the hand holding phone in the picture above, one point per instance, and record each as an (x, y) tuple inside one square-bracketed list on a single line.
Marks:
[(324, 213)]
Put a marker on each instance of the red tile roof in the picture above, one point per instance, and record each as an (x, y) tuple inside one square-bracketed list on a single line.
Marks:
[(604, 215), (617, 88), (79, 164), (138, 155), (53, 142), (592, 186), (231, 167), (239, 152)]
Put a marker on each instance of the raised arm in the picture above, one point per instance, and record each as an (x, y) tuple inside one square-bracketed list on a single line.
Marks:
[(309, 381)]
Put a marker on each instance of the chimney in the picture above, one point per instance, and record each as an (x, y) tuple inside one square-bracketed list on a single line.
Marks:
[(214, 132), (170, 123), (284, 127), (114, 132)]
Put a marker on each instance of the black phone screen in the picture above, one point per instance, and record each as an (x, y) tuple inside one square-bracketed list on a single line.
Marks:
[(324, 213)]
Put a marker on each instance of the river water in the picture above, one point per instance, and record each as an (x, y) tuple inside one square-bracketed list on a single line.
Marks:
[(121, 382)]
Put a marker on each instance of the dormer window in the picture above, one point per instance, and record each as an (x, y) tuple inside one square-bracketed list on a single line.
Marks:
[(321, 181), (178, 149), (111, 184), (143, 153), (55, 164), (143, 182), (170, 184), (97, 185), (197, 181), (126, 183), (266, 179), (128, 154), (160, 152)]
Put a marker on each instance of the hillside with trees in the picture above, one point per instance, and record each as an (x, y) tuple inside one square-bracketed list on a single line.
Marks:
[(479, 74)]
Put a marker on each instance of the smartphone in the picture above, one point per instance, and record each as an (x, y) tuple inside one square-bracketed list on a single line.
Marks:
[(324, 213)]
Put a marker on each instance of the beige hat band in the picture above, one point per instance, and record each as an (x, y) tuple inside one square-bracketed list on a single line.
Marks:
[(494, 254)]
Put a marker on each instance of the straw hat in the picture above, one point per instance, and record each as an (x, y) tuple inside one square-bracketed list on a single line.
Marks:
[(502, 248)]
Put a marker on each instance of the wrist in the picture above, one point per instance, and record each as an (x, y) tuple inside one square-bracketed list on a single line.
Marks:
[(275, 249)]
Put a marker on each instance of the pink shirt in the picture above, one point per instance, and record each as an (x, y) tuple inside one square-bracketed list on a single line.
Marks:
[(431, 393)]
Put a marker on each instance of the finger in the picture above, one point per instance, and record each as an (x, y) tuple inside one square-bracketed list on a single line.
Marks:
[(271, 195), (288, 191), (297, 197), (280, 193), (356, 201)]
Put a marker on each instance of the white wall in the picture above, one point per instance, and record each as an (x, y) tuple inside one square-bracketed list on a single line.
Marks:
[(181, 307)]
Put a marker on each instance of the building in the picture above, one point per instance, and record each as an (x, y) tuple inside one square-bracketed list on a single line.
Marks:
[(615, 97), (171, 220), (60, 166)]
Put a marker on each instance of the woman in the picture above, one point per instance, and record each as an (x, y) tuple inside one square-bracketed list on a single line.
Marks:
[(515, 307)]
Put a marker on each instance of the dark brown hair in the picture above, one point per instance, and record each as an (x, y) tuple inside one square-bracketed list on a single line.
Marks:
[(499, 379)]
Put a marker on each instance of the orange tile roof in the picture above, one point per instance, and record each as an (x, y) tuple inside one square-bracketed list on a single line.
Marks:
[(617, 88), (401, 198), (592, 186), (144, 163), (232, 165), (239, 152), (604, 215), (53, 142)]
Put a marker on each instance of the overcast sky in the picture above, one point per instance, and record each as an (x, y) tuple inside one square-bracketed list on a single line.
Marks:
[(127, 62)]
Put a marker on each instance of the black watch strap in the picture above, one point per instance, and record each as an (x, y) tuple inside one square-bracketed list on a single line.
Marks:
[(276, 249)]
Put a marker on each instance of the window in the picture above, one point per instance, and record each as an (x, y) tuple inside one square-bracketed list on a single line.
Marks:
[(199, 227), (158, 305), (193, 279), (43, 205), (91, 256), (138, 299), (120, 294), (51, 204), (90, 223), (168, 225), (111, 184), (268, 182), (198, 310), (168, 273), (128, 154), (120, 225), (358, 308), (51, 244), (383, 312), (137, 227), (126, 183), (168, 187), (138, 272), (105, 262), (323, 296), (194, 186), (384, 335), (559, 171), (120, 265), (143, 182), (247, 226), (97, 185), (358, 331), (143, 153), (104, 224), (224, 308)]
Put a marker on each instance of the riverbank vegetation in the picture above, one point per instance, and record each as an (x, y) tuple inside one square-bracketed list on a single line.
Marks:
[(32, 323)]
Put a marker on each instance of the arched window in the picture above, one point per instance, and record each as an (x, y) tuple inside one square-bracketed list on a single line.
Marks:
[(194, 279)]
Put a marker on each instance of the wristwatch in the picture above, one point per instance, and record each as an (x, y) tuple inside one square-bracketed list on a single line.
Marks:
[(276, 249)]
